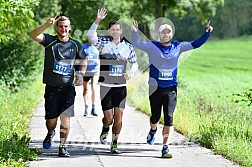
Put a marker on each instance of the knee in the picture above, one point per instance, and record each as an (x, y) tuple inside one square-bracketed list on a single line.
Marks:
[(108, 120), (51, 123), (117, 121), (168, 121), (85, 91), (154, 119)]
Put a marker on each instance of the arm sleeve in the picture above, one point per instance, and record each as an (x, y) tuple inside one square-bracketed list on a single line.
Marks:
[(92, 34), (138, 43), (201, 40)]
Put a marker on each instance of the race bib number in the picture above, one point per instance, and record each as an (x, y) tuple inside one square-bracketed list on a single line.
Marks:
[(61, 68), (116, 70), (165, 74)]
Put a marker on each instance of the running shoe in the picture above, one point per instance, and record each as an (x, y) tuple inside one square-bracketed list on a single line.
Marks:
[(103, 137), (86, 111), (47, 143), (93, 112), (166, 153), (114, 149), (151, 137), (63, 152)]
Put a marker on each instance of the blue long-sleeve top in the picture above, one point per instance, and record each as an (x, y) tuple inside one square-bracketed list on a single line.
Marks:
[(163, 60)]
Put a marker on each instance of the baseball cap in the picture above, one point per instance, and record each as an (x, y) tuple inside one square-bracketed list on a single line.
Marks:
[(164, 26)]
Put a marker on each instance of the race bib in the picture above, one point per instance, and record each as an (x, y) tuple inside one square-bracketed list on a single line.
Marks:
[(116, 70), (165, 74), (61, 68)]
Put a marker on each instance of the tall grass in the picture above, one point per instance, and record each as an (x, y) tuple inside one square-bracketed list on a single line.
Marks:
[(15, 111), (206, 111)]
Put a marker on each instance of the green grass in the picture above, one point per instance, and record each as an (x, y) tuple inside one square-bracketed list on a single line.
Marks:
[(15, 111), (206, 111)]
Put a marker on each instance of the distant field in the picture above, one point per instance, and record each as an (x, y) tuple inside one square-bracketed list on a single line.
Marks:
[(219, 67), (206, 112)]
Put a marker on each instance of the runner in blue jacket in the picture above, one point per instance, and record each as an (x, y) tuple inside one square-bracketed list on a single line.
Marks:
[(163, 62)]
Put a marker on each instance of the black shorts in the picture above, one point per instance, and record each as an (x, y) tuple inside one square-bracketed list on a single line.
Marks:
[(59, 99), (89, 75), (165, 98), (113, 97)]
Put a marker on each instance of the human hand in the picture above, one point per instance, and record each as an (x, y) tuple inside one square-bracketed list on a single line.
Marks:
[(52, 20), (101, 14), (97, 62), (134, 26), (126, 76), (78, 80), (208, 27)]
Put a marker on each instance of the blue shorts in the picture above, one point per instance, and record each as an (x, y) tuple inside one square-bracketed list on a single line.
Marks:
[(58, 100)]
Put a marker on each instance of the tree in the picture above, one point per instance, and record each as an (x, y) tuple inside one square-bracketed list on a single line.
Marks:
[(16, 17), (235, 17)]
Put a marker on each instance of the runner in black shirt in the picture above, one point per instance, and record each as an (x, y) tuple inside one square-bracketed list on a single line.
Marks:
[(61, 53)]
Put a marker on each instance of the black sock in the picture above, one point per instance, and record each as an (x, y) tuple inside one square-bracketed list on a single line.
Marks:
[(153, 130), (165, 147), (105, 129), (114, 142)]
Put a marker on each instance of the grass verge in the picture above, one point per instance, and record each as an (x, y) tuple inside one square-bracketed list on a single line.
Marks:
[(16, 109)]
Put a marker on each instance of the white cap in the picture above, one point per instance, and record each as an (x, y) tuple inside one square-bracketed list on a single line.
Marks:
[(165, 26)]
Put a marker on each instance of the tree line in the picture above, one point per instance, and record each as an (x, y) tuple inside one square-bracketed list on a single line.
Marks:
[(19, 56)]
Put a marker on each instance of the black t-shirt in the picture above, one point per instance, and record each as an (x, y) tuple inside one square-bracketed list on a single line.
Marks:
[(60, 59)]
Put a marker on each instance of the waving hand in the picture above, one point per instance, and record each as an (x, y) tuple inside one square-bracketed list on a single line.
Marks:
[(208, 27), (101, 14)]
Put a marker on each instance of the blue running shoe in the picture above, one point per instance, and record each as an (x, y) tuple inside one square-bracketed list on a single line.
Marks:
[(47, 143), (151, 137), (166, 153), (63, 152)]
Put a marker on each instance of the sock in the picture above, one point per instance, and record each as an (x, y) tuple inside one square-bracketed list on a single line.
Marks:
[(105, 129), (93, 106), (165, 147), (114, 142), (153, 130)]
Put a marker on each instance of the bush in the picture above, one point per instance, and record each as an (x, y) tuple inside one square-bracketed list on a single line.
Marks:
[(18, 63)]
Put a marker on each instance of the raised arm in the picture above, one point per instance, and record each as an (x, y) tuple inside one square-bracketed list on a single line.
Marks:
[(37, 33), (91, 34), (201, 40), (135, 38)]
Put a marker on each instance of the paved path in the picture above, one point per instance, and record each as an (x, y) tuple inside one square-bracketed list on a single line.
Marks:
[(86, 150)]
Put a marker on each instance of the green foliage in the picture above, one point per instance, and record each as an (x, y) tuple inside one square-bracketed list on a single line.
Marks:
[(52, 8), (234, 19), (193, 30), (15, 147), (16, 17), (14, 122), (18, 61), (245, 97), (202, 9)]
